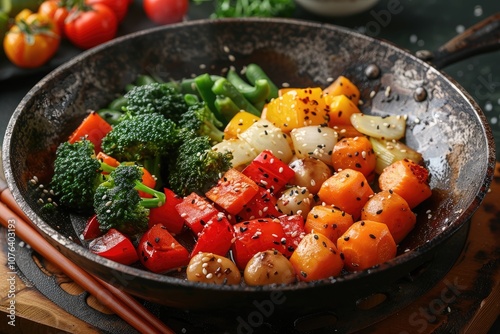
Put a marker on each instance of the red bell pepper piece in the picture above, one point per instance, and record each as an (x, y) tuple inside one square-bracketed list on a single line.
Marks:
[(269, 172), (114, 246), (233, 191), (263, 178), (262, 205), (107, 159), (160, 252), (294, 231), (94, 128), (92, 229), (254, 236), (216, 237), (166, 214), (196, 212)]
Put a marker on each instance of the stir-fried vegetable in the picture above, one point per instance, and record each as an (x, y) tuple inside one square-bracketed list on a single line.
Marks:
[(236, 180)]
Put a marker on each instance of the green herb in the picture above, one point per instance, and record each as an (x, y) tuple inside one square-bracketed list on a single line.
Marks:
[(249, 8)]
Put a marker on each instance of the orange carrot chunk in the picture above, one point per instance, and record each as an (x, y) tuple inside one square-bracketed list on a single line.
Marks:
[(391, 209), (348, 190), (408, 179), (316, 257), (365, 244), (329, 221), (355, 153)]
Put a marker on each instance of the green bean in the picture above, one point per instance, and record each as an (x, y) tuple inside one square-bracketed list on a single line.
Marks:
[(237, 81), (191, 99), (227, 108), (256, 94), (225, 88), (204, 85), (254, 72), (188, 86)]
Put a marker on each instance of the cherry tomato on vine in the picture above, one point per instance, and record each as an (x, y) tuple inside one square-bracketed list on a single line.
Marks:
[(56, 10), (32, 40), (90, 25), (165, 11), (119, 7)]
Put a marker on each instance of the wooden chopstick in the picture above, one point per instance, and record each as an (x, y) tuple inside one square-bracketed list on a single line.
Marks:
[(125, 306)]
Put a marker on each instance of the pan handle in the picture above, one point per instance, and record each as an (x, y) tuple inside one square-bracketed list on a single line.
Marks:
[(480, 38)]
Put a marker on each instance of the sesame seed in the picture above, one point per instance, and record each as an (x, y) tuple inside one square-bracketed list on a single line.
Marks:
[(388, 91)]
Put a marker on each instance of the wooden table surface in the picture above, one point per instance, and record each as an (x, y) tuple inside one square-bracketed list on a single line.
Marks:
[(476, 275)]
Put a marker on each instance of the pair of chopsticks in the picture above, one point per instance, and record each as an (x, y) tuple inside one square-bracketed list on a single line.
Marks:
[(122, 304)]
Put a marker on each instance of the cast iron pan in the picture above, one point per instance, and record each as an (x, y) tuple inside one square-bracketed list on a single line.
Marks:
[(444, 123)]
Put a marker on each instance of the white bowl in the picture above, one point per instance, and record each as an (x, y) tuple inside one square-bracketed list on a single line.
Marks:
[(336, 8)]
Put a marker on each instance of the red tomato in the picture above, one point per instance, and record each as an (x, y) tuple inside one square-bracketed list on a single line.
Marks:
[(119, 7), (165, 11), (55, 10), (32, 41), (89, 27), (114, 246)]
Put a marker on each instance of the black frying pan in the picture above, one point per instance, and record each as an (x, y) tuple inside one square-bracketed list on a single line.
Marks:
[(445, 124)]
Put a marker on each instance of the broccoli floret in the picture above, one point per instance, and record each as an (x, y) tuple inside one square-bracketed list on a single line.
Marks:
[(145, 139), (202, 121), (197, 167), (77, 174), (118, 205), (155, 97)]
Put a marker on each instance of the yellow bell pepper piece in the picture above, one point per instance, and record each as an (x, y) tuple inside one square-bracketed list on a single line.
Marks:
[(297, 108), (239, 123), (341, 109), (343, 86)]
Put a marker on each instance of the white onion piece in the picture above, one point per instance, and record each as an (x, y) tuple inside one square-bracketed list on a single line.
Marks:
[(263, 135), (243, 153), (314, 141), (387, 127), (389, 151)]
